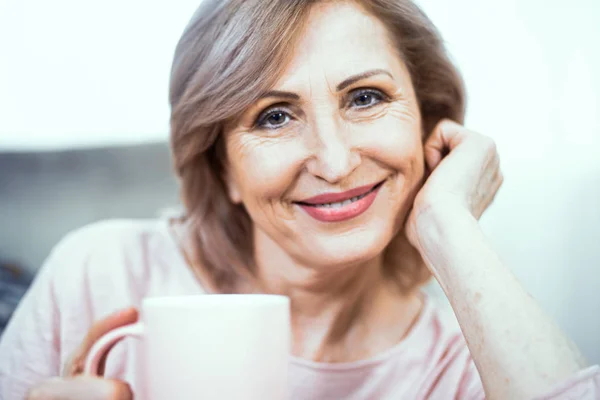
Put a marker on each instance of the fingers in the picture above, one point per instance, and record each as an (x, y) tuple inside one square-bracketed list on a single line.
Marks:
[(81, 387), (445, 136), (463, 162), (75, 386), (488, 191), (99, 329), (448, 135)]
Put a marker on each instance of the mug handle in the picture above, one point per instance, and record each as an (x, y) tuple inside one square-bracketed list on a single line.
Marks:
[(106, 342)]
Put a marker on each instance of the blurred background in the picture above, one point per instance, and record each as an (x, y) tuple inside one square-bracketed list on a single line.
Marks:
[(84, 128)]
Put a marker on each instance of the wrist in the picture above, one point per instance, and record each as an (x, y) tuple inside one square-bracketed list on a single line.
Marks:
[(443, 232), (440, 220)]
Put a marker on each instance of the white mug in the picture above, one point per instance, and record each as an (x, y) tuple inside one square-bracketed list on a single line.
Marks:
[(205, 347)]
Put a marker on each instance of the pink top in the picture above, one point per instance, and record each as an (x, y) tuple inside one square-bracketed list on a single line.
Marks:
[(112, 265)]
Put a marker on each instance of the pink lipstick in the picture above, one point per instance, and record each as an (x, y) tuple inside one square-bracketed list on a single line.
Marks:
[(336, 207)]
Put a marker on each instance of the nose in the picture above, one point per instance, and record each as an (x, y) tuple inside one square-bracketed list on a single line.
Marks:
[(333, 157)]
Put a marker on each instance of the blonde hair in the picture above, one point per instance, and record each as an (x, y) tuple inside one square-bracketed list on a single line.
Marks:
[(231, 52)]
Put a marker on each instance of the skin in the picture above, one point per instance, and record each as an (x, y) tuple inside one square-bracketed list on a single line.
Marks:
[(325, 142), (331, 143)]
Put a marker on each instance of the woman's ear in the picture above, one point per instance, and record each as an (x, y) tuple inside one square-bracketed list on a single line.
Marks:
[(231, 185), (232, 189)]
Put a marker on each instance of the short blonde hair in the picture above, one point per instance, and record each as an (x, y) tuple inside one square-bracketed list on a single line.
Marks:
[(231, 52)]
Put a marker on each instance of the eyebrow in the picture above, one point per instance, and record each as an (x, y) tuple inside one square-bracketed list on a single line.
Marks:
[(281, 94), (341, 86), (363, 75)]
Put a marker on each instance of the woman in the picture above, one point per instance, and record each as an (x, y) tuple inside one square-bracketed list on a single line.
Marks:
[(318, 159)]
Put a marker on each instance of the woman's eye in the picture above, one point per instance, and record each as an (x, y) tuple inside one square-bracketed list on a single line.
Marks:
[(366, 98), (273, 119)]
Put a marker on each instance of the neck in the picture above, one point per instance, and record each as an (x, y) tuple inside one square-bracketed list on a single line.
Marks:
[(336, 309)]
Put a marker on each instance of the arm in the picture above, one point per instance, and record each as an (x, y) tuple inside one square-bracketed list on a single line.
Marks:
[(519, 351)]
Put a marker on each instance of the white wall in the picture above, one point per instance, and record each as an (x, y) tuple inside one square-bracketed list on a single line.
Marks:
[(76, 73), (532, 70), (82, 73)]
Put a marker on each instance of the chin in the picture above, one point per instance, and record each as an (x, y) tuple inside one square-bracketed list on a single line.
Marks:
[(357, 247)]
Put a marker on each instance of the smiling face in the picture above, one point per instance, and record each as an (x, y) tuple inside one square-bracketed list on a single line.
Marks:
[(328, 162)]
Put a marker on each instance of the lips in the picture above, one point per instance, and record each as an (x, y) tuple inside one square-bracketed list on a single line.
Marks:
[(338, 197), (335, 207)]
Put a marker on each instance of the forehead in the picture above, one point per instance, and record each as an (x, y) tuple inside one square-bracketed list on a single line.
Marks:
[(340, 39)]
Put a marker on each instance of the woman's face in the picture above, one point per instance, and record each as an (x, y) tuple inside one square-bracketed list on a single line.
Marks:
[(327, 164)]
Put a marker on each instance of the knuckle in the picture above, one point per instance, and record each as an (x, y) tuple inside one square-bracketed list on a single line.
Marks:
[(74, 365), (120, 391), (444, 125), (488, 145), (445, 122)]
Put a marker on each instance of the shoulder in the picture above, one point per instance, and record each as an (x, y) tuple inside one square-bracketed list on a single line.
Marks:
[(92, 272), (110, 235), (106, 258), (111, 239)]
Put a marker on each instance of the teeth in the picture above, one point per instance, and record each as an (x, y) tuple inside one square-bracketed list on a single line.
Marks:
[(341, 203)]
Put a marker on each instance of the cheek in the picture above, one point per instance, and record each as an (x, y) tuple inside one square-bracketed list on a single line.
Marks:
[(393, 142), (264, 169)]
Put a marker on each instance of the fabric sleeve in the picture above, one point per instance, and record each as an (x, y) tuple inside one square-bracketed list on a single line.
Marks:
[(29, 347), (584, 385), (87, 276), (470, 386)]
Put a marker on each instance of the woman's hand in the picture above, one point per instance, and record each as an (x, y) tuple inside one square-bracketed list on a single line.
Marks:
[(519, 351), (75, 386), (464, 176)]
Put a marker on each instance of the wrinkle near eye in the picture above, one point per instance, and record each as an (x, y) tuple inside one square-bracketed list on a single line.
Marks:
[(405, 110), (366, 116)]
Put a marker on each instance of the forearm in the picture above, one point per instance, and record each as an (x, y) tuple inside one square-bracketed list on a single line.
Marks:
[(519, 351)]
